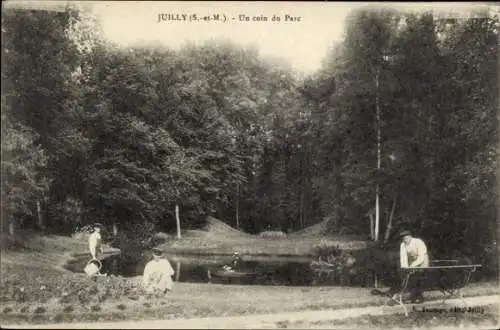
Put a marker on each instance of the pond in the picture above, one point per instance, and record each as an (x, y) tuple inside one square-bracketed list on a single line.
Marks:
[(290, 271)]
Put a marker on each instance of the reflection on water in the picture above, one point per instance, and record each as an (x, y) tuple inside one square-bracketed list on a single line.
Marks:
[(203, 269)]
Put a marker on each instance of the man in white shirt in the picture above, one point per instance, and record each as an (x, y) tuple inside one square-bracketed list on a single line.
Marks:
[(413, 253), (95, 245), (157, 277)]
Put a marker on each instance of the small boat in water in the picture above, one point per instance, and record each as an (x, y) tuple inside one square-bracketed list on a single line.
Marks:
[(224, 275), (232, 273)]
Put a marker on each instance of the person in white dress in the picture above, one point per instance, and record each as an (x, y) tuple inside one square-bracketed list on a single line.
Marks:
[(157, 277), (95, 243)]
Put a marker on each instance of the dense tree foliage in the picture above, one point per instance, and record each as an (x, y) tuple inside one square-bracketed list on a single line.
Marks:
[(94, 132), (436, 82)]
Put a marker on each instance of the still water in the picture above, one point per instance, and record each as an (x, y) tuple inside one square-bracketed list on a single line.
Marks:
[(203, 269)]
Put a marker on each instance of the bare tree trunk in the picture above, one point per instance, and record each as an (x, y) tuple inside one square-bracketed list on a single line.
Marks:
[(178, 221), (39, 215), (237, 206), (375, 281), (389, 224), (377, 197), (115, 229), (301, 206), (177, 271), (372, 228), (11, 227)]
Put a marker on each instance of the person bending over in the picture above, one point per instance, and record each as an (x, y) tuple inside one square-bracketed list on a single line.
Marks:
[(413, 253)]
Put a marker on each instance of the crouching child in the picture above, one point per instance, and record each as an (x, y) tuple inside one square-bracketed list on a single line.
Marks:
[(157, 277)]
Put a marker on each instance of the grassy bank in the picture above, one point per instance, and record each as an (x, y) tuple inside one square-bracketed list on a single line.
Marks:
[(42, 251), (36, 289), (82, 300), (216, 237), (203, 243)]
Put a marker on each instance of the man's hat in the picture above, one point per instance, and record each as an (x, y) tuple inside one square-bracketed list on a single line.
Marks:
[(404, 233), (157, 252)]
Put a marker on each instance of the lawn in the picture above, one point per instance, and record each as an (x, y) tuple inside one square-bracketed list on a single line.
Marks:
[(36, 289), (217, 237)]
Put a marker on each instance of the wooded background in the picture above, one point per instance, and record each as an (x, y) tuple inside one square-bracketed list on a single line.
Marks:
[(92, 132)]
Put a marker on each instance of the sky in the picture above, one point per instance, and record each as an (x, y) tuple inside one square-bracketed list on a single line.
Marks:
[(302, 43)]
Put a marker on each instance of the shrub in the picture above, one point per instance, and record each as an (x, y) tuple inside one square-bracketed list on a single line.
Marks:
[(326, 249), (7, 310), (40, 310), (272, 234), (340, 263), (68, 309), (58, 318), (95, 308), (121, 307), (136, 238)]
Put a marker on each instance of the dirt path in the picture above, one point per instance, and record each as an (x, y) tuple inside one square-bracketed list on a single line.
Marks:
[(255, 321)]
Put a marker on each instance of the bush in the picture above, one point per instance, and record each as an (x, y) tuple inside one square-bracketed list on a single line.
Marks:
[(68, 309), (340, 263), (272, 234), (326, 249), (95, 308), (40, 310), (136, 238), (66, 288)]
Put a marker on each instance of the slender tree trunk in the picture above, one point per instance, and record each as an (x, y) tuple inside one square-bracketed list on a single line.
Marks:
[(39, 215), (178, 221), (115, 229), (237, 206), (177, 271), (389, 224), (301, 205), (11, 227), (377, 192), (376, 281), (372, 228)]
